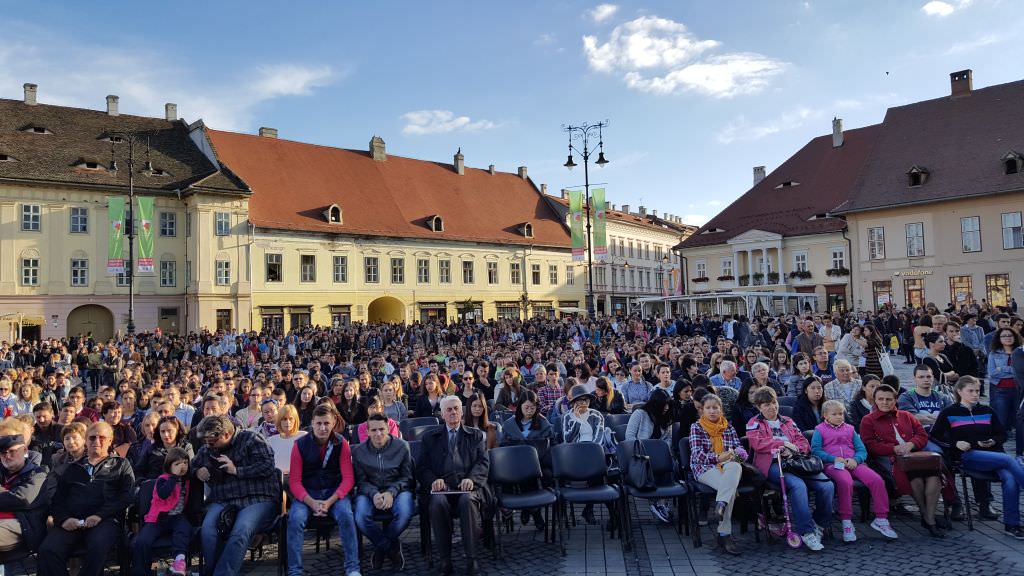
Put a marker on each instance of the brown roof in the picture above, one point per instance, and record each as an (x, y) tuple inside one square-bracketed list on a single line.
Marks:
[(825, 175), (293, 183), (649, 221), (959, 141), (75, 135)]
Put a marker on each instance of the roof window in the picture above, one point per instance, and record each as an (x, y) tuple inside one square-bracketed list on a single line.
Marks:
[(34, 129), (787, 184), (712, 231), (332, 214), (1012, 163), (917, 176), (526, 229), (7, 158), (89, 165), (435, 223)]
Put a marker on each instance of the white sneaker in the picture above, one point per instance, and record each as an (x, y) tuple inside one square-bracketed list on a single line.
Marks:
[(884, 528), (849, 532), (661, 513), (812, 541)]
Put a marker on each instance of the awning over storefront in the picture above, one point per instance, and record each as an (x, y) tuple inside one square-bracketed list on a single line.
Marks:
[(752, 301)]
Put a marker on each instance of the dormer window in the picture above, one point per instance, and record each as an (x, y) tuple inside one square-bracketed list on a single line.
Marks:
[(527, 230), (712, 231), (787, 184), (333, 214), (112, 138), (158, 172), (89, 165), (1012, 163), (435, 223), (917, 176), (33, 129), (7, 158)]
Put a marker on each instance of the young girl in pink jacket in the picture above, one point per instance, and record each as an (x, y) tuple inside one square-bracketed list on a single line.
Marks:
[(843, 453), (166, 514)]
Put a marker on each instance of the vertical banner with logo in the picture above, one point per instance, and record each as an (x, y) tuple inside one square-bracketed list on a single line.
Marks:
[(146, 234), (576, 225), (115, 239), (600, 216)]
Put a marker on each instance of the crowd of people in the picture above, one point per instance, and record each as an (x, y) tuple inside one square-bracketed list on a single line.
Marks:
[(208, 430)]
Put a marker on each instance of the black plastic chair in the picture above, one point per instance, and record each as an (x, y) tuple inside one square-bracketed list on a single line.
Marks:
[(405, 426), (700, 490), (786, 411), (612, 420), (580, 475), (787, 401), (515, 477), (668, 484), (416, 433), (620, 432)]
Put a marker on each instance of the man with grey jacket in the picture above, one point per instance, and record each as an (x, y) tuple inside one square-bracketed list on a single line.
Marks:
[(383, 469)]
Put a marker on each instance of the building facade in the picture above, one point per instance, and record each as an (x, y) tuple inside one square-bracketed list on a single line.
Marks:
[(359, 235), (58, 166), (780, 236), (936, 217)]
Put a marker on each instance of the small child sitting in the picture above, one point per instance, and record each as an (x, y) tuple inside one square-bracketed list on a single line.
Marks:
[(166, 515), (843, 453)]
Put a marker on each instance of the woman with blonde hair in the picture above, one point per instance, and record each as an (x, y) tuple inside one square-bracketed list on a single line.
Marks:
[(27, 397), (287, 424)]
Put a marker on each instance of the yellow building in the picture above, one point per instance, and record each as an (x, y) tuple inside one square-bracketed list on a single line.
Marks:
[(58, 166), (936, 217), (350, 235)]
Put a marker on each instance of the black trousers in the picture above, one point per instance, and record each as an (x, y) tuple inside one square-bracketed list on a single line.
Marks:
[(60, 544), (181, 534), (442, 508)]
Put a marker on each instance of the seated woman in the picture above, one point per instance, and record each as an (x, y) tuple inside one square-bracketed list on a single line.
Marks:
[(287, 427), (528, 427), (684, 410), (581, 423), (807, 410), (889, 433), (845, 386), (843, 453), (801, 372), (73, 437), (376, 406), (394, 408), (170, 434), (763, 376), (744, 409), (769, 433), (350, 406), (716, 457), (606, 399), (476, 416), (251, 414), (653, 421), (977, 436), (864, 402)]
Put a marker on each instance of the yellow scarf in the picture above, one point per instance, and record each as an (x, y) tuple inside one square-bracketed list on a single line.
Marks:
[(716, 430)]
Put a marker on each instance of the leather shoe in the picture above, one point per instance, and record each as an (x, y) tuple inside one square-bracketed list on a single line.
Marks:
[(727, 545), (943, 523), (445, 569), (933, 530), (985, 511), (957, 512)]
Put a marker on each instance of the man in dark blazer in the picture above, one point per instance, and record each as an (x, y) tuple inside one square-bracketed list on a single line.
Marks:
[(454, 465)]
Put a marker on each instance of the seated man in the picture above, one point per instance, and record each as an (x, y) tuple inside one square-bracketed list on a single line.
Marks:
[(238, 469), (23, 497), (383, 468), (88, 506), (454, 465), (320, 479)]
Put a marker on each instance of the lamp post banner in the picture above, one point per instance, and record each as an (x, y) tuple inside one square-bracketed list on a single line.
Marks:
[(115, 239), (576, 225), (146, 233), (600, 216)]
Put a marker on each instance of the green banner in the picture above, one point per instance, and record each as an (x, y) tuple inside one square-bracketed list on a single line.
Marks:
[(115, 238), (146, 205), (579, 243), (600, 239)]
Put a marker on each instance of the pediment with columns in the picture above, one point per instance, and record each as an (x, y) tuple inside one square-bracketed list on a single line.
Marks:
[(755, 235)]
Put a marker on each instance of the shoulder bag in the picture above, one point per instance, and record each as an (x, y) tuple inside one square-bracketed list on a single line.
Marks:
[(886, 362), (641, 473), (921, 463), (803, 465)]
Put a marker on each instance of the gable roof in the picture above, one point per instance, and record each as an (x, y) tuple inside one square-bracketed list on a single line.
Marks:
[(825, 175), (649, 221), (961, 140), (293, 182), (76, 135)]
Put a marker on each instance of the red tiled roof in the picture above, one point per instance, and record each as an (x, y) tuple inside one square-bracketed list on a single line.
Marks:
[(960, 141), (293, 183), (826, 175)]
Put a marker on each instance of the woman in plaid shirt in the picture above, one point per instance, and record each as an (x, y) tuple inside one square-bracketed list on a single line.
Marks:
[(715, 457), (550, 391)]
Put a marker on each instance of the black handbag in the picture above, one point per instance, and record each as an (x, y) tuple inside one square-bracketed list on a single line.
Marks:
[(641, 474), (803, 465)]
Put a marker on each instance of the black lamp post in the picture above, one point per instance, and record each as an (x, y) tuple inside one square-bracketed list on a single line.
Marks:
[(129, 138), (582, 134)]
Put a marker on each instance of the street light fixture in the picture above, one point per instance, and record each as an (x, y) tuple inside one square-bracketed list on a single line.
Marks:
[(130, 138), (582, 134)]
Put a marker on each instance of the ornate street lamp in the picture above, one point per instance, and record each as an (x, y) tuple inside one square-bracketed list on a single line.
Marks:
[(582, 135)]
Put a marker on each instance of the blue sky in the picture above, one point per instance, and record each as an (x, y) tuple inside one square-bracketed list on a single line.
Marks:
[(697, 92)]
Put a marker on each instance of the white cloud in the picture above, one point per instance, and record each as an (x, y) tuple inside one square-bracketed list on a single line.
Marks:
[(740, 129), (70, 73), (974, 44), (714, 203), (661, 56), (603, 12), (941, 9), (696, 219), (421, 122)]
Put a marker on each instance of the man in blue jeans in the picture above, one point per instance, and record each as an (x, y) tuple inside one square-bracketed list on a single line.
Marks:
[(238, 469), (320, 479), (383, 468)]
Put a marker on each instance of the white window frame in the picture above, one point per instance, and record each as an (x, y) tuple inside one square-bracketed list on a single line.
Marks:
[(79, 223), (800, 263), (553, 274), (570, 276), (468, 272), (121, 279), (398, 270), (307, 268), (837, 257), (515, 273), (535, 274), (700, 268), (168, 224), (339, 269), (31, 218), (726, 266), (371, 269), (1013, 234), (280, 266), (222, 223), (79, 272), (915, 239), (444, 271), (876, 243), (423, 271), (970, 234), (223, 274), (168, 273), (30, 271), (492, 272)]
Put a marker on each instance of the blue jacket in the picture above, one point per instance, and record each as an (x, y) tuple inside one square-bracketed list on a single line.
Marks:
[(999, 366)]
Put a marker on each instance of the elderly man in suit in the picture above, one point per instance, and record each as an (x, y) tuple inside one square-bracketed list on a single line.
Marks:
[(454, 466)]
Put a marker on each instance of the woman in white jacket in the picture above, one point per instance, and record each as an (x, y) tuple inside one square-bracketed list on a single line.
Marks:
[(851, 347)]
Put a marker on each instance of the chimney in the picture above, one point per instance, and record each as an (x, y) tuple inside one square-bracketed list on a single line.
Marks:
[(625, 208), (377, 151), (112, 105), (30, 94), (522, 172), (491, 168), (170, 112), (565, 194), (758, 174), (641, 210), (460, 163), (613, 207), (837, 132), (654, 213), (961, 83), (268, 132), (544, 189), (608, 206)]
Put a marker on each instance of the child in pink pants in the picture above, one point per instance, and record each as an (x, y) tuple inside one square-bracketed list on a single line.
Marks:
[(841, 449)]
